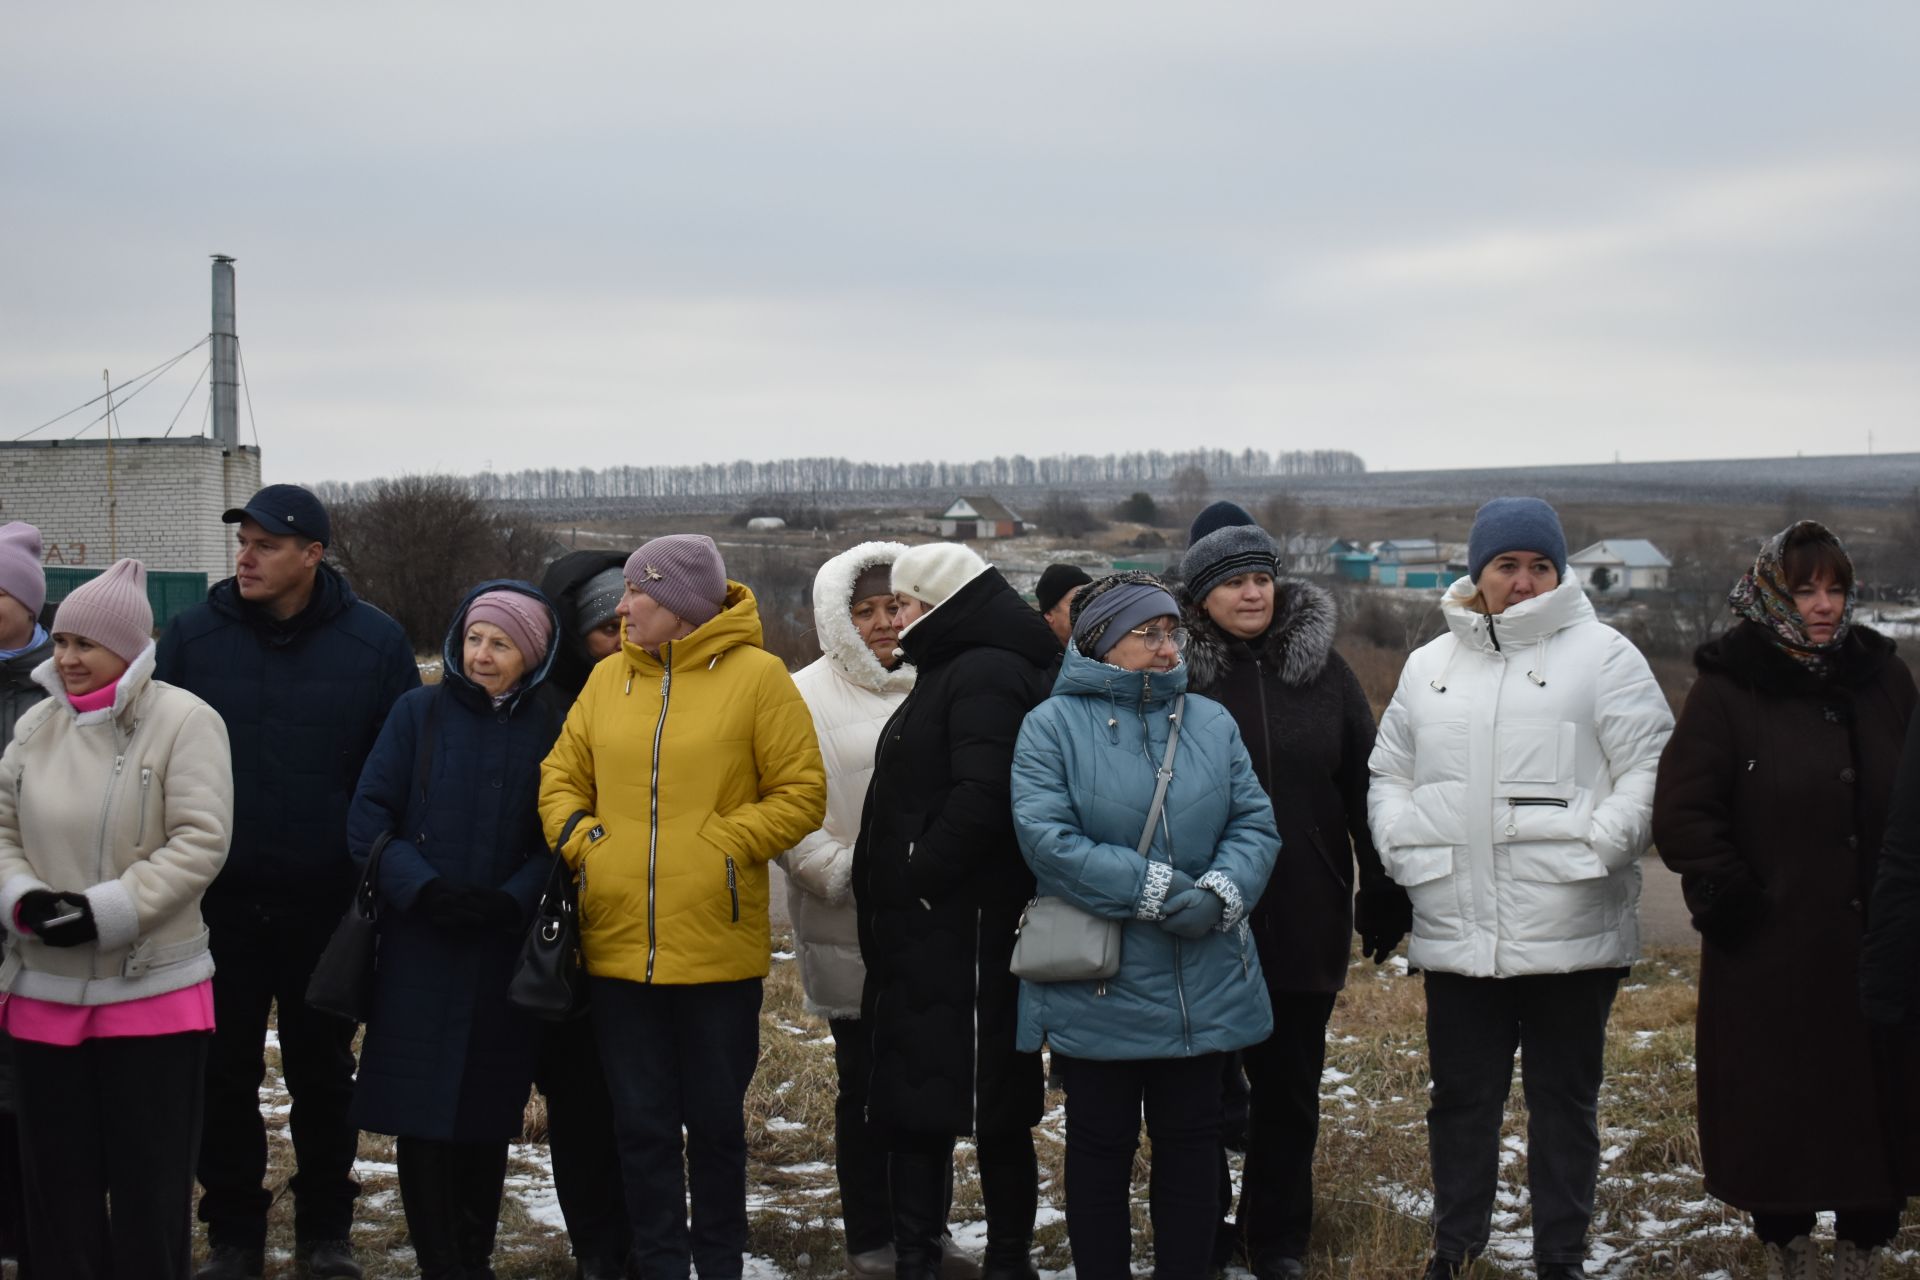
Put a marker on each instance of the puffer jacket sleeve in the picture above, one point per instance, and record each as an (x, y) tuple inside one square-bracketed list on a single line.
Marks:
[(1357, 735), (1693, 802), (380, 804), (1244, 856), (198, 803), (792, 780), (1390, 793), (983, 723), (1107, 880), (17, 876), (1890, 954), (566, 777), (1633, 723), (821, 865)]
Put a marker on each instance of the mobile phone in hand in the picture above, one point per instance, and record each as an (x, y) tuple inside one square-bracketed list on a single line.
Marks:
[(68, 917)]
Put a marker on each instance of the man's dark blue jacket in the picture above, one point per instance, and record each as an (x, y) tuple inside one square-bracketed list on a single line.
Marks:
[(304, 700)]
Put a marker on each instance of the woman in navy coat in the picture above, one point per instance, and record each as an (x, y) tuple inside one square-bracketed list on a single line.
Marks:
[(447, 1062)]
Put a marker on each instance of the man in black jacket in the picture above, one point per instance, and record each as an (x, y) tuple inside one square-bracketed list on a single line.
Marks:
[(304, 674)]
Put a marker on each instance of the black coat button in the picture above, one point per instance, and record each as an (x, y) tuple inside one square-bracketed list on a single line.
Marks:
[(1846, 775), (1855, 904), (1853, 842)]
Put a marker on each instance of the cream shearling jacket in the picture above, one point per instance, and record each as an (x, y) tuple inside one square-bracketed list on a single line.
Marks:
[(851, 697), (133, 806), (1512, 789)]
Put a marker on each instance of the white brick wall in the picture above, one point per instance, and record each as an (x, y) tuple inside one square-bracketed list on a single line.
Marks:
[(167, 496)]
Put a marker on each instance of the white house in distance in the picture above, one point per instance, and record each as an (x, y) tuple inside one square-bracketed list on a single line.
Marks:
[(1631, 564), (980, 517)]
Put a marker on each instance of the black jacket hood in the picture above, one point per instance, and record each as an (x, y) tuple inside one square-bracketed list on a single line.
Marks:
[(1748, 655), (572, 664), (985, 613)]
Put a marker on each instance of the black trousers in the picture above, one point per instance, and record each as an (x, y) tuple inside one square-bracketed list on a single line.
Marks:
[(860, 1151), (1558, 1022), (108, 1130), (451, 1194), (264, 960), (1283, 1071), (680, 1057), (1181, 1101), (582, 1144)]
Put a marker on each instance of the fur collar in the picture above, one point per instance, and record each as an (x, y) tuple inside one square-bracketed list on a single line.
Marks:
[(133, 682), (833, 619), (1296, 644), (1747, 654)]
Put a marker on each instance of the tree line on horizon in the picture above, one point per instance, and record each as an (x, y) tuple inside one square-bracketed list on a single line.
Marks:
[(816, 475)]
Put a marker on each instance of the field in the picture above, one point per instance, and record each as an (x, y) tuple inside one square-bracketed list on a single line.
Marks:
[(1653, 1217)]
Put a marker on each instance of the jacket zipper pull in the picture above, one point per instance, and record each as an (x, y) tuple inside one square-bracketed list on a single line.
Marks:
[(1512, 829)]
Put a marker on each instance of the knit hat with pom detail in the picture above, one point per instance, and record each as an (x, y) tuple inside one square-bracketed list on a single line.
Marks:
[(683, 573), (933, 571), (110, 610)]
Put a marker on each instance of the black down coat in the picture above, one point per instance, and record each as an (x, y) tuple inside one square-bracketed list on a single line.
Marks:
[(446, 1057), (1307, 725), (1771, 804), (938, 879), (303, 701)]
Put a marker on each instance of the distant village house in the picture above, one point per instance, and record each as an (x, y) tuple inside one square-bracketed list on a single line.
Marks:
[(980, 517), (1617, 566)]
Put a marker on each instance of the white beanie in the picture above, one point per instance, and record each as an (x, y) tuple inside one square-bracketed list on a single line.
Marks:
[(935, 570)]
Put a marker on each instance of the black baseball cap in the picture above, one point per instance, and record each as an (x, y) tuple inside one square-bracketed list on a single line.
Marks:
[(285, 508)]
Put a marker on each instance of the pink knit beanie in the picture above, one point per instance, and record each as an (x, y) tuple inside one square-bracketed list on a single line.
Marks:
[(683, 572), (110, 610), (20, 573), (523, 618)]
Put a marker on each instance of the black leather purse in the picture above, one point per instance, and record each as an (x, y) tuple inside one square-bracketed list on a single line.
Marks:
[(342, 981), (550, 978)]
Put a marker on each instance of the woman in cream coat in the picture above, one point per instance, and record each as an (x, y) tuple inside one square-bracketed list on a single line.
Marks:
[(1512, 795), (116, 806)]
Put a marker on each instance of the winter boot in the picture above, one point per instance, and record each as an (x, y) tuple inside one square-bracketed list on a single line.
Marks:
[(956, 1263), (1851, 1262), (232, 1262), (1798, 1259), (1440, 1268)]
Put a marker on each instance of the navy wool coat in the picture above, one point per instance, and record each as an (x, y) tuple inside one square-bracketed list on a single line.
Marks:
[(445, 1056)]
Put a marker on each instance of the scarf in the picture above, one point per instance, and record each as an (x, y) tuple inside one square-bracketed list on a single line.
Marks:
[(1763, 595)]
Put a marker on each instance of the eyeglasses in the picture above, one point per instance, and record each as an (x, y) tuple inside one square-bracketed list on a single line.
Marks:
[(1157, 636)]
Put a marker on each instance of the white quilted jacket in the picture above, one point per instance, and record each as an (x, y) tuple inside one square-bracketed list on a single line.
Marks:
[(1512, 788)]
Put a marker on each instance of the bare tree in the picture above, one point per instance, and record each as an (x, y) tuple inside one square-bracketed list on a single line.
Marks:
[(413, 546), (1190, 488), (1068, 516)]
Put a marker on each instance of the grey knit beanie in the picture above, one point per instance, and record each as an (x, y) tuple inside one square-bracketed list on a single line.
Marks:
[(596, 599), (1225, 553)]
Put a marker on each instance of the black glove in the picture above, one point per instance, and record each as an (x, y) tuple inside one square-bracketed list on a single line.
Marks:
[(39, 906), (502, 911), (1191, 913), (1728, 908), (1382, 918), (448, 904)]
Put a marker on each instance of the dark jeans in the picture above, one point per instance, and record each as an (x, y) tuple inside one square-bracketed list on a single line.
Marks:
[(920, 1195), (860, 1152), (1181, 1099), (1867, 1228), (1558, 1022), (681, 1056), (582, 1144), (1276, 1185), (263, 960), (451, 1194), (114, 1120)]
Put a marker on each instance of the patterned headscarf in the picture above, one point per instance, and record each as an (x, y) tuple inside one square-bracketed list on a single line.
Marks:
[(1763, 595)]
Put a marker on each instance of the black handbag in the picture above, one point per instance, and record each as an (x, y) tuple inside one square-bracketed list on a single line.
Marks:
[(342, 981), (550, 978)]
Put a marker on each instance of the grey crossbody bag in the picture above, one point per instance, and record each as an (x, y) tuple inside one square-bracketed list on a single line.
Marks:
[(1059, 942)]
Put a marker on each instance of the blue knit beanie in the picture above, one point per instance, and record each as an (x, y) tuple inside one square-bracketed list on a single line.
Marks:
[(1515, 524), (1218, 516)]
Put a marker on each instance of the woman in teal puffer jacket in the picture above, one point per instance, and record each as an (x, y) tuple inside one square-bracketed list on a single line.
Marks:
[(1189, 989)]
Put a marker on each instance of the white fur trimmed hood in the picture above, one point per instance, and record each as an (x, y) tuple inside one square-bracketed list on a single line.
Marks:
[(833, 620)]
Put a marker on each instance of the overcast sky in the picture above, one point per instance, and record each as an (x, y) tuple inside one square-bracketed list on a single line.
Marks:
[(1436, 234)]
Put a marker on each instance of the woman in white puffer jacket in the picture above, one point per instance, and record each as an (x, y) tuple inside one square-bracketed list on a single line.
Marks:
[(852, 689), (1512, 796)]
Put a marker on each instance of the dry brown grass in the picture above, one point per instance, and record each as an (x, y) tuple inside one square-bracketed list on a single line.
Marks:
[(1652, 1218)]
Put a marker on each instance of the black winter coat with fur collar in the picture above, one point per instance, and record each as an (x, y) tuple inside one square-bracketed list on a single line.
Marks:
[(1309, 729)]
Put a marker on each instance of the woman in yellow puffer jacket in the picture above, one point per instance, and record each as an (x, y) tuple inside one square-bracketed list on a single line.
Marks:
[(694, 761)]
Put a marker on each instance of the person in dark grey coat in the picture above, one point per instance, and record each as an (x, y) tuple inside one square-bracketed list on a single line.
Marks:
[(1263, 647), (448, 1061)]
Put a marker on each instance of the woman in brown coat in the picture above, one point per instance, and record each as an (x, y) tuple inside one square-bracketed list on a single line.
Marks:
[(1772, 799)]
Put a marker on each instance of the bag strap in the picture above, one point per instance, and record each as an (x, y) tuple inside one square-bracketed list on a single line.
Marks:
[(561, 874), (423, 762), (368, 891), (1165, 775)]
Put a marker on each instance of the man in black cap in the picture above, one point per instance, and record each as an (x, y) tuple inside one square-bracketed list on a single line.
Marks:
[(304, 674), (1054, 594)]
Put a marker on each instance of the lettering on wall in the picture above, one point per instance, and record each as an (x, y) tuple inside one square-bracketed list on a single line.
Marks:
[(74, 553)]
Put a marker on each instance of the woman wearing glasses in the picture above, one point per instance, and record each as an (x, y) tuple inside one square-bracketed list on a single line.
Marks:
[(1264, 650), (1189, 990)]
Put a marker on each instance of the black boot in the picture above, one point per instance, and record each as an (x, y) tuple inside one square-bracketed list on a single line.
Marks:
[(1010, 1186), (917, 1183)]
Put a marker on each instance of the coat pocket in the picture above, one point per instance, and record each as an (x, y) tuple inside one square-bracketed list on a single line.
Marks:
[(1426, 872), (1558, 890), (1533, 759)]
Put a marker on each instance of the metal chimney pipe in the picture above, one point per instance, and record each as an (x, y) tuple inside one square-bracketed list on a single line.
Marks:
[(224, 386)]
